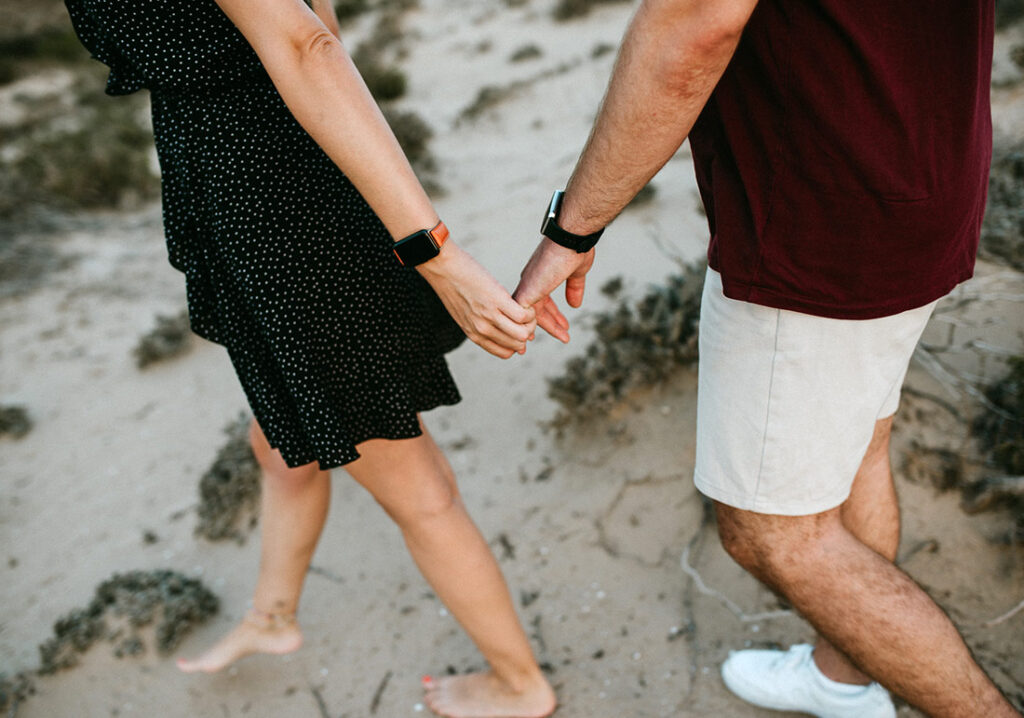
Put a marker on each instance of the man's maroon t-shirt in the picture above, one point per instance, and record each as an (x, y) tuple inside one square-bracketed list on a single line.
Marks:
[(843, 157)]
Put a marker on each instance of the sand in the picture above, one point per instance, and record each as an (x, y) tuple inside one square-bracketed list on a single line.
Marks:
[(589, 529)]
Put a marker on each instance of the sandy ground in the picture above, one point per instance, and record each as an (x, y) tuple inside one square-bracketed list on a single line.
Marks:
[(590, 529)]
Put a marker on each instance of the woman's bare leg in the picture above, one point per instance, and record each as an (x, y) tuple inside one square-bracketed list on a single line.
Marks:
[(413, 482), (293, 510)]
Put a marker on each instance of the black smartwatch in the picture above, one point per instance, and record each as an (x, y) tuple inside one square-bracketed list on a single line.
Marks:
[(421, 246), (550, 229)]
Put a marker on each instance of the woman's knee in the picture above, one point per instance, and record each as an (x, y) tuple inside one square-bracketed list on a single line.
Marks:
[(424, 500)]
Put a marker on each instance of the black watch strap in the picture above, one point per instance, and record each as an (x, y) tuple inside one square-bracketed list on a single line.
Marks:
[(421, 246), (550, 229)]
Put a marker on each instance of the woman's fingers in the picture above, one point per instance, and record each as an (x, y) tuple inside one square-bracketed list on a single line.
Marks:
[(514, 330), (492, 347), (504, 332)]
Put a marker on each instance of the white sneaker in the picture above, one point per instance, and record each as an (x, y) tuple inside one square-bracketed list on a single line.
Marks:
[(790, 681)]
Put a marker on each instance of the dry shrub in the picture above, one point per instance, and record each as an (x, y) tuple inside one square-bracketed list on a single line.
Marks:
[(1008, 12), (14, 421), (568, 9), (14, 690), (171, 337), (121, 606), (43, 47), (229, 491), (348, 9), (635, 347), (103, 163), (999, 430), (385, 82), (526, 52), (1002, 233)]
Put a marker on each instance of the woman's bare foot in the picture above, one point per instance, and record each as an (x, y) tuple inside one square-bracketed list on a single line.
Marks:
[(484, 695), (258, 632)]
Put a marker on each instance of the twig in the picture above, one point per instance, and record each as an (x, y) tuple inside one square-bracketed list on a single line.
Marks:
[(690, 571), (326, 574), (320, 702), (955, 384), (929, 545), (938, 401), (375, 703), (1006, 616)]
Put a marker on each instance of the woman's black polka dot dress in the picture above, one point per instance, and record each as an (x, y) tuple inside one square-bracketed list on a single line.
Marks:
[(286, 265)]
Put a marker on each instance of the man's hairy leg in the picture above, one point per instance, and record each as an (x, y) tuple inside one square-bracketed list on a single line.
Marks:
[(872, 515), (867, 608)]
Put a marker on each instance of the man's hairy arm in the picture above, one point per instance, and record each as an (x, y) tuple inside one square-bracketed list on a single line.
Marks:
[(672, 56)]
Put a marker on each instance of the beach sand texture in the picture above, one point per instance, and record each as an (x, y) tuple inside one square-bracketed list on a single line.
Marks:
[(590, 528)]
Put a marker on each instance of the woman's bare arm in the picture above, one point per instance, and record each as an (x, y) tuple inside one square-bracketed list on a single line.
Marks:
[(324, 10), (318, 82)]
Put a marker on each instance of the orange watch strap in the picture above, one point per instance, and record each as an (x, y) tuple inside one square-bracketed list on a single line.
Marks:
[(440, 233)]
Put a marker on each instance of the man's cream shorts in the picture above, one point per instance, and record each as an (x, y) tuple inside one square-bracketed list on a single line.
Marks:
[(787, 402)]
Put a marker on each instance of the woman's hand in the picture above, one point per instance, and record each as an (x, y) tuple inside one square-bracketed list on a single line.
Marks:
[(481, 307)]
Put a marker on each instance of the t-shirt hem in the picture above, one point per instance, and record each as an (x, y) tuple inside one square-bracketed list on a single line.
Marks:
[(744, 292)]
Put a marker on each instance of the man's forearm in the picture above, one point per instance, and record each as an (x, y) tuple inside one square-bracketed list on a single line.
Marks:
[(672, 56)]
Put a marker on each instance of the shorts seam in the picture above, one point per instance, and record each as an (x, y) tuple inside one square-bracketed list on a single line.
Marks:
[(768, 409)]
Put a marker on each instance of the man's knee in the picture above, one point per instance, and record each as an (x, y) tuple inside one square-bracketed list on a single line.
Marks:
[(769, 546)]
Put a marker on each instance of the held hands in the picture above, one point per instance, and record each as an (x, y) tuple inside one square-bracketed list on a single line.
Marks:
[(549, 266), (480, 306)]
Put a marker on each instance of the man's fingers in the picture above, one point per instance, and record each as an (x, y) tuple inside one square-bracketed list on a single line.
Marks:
[(574, 290), (553, 328), (552, 309), (551, 320), (526, 294)]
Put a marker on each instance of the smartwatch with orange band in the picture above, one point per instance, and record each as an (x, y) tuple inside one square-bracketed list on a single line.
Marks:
[(421, 246)]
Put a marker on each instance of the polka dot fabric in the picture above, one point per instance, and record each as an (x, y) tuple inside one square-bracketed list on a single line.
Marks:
[(286, 265)]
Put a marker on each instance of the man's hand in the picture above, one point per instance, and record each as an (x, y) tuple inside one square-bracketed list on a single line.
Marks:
[(481, 307), (549, 266)]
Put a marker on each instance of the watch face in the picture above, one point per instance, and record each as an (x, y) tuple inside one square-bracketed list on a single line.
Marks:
[(417, 248), (552, 213)]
